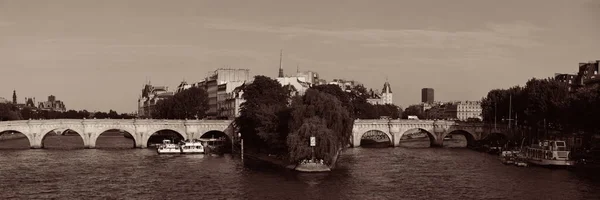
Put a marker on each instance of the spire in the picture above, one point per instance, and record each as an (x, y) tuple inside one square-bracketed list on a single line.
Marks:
[(14, 97), (298, 68), (280, 60), (386, 87)]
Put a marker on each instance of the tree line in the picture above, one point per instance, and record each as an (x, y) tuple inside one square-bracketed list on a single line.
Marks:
[(545, 104), (274, 121), (12, 112)]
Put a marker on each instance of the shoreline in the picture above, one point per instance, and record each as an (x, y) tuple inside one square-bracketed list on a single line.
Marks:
[(6, 137)]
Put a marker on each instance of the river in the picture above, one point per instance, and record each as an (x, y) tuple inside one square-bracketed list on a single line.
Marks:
[(61, 172)]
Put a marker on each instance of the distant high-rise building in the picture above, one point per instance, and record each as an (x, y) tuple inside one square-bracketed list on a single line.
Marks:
[(14, 97), (427, 95)]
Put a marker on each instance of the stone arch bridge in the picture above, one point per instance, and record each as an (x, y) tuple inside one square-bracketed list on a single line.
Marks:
[(436, 130), (90, 129), (141, 130)]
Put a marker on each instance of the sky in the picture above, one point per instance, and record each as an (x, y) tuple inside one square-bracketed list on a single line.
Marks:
[(97, 55)]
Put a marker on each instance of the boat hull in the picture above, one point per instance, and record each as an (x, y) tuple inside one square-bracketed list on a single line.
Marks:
[(168, 151), (192, 152), (545, 162)]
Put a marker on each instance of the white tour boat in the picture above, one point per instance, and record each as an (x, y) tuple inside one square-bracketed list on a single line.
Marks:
[(508, 157), (549, 153), (191, 147), (168, 147)]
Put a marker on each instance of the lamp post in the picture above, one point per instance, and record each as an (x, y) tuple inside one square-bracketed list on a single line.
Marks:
[(242, 146), (313, 143)]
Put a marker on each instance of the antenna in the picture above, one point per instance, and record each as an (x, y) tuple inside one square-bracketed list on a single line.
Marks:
[(298, 68)]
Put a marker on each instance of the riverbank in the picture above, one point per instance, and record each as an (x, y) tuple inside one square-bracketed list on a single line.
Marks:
[(266, 160), (4, 137)]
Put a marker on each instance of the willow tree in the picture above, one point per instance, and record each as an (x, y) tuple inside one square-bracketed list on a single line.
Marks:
[(320, 115)]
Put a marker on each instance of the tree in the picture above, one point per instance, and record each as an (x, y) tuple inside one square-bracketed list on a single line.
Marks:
[(9, 112), (336, 91), (545, 100), (189, 104), (321, 115), (413, 110), (262, 121)]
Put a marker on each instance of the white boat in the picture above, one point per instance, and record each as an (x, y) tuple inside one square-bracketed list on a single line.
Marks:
[(191, 147), (508, 157), (168, 147), (549, 153)]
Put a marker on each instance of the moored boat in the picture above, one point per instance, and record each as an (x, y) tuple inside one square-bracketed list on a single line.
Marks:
[(192, 147), (549, 153), (508, 157), (168, 147)]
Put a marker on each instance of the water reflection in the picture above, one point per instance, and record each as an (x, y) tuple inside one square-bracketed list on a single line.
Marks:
[(362, 173)]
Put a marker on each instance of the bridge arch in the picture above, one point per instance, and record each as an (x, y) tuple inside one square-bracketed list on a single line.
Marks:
[(215, 134), (79, 132), (10, 131), (375, 135), (155, 132), (95, 136), (471, 138), (432, 137)]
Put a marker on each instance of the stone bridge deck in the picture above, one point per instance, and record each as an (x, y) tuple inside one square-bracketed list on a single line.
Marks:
[(90, 129), (141, 130)]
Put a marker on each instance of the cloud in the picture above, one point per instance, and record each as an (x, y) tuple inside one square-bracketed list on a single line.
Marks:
[(518, 34)]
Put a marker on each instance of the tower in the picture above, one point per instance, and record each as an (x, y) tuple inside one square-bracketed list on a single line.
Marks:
[(14, 97), (427, 95), (280, 60), (386, 93)]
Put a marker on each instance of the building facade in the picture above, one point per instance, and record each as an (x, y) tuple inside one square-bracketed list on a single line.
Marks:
[(464, 110), (52, 105), (233, 102), (427, 95), (587, 75), (150, 96), (345, 85), (569, 79), (385, 97), (229, 99)]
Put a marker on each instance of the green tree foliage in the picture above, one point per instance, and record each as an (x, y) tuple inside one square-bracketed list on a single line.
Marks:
[(188, 104), (262, 121), (321, 115)]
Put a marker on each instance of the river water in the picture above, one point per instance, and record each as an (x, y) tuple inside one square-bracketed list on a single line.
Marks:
[(61, 172)]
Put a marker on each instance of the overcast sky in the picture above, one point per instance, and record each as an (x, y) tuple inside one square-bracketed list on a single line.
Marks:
[(96, 55)]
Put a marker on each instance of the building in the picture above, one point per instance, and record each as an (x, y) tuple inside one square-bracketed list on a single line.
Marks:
[(464, 110), (385, 97), (569, 79), (427, 95), (588, 73), (345, 85), (183, 86), (233, 102), (229, 99), (150, 96), (52, 105), (3, 100), (298, 83), (217, 85), (311, 77)]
